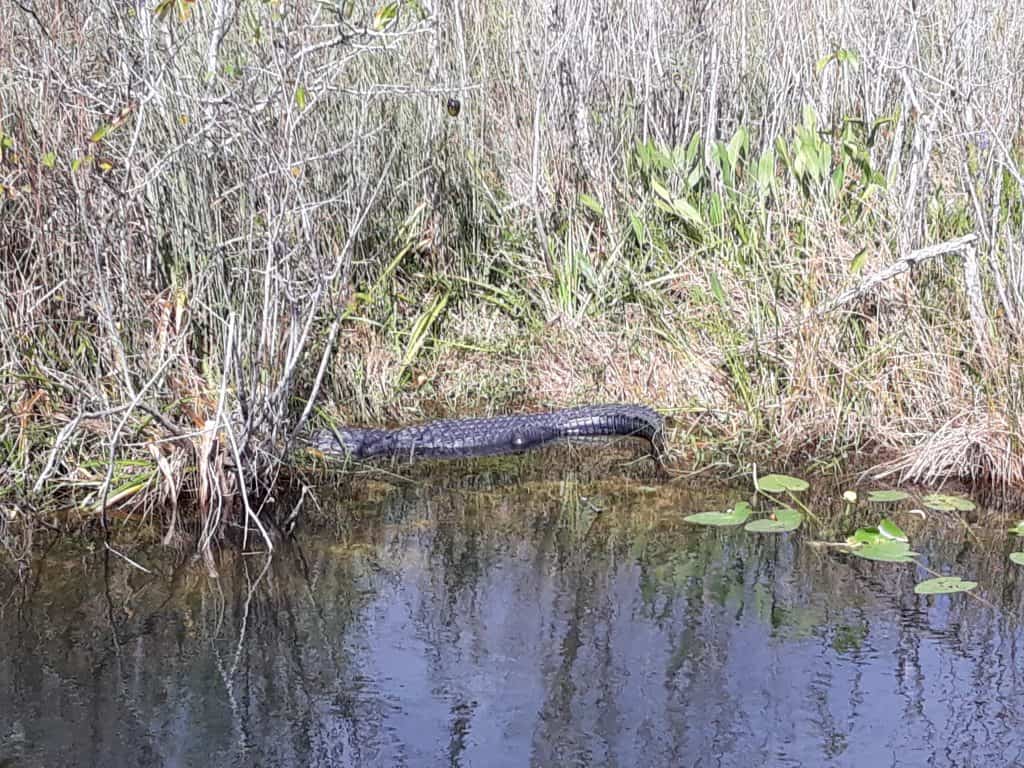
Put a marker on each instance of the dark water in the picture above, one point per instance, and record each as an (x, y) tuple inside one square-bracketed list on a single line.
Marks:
[(514, 624)]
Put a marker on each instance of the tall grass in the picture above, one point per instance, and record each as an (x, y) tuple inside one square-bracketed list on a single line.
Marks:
[(218, 216)]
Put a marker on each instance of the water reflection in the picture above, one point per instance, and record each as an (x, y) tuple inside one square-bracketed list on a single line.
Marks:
[(494, 624)]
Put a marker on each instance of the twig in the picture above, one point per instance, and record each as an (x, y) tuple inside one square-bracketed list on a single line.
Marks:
[(899, 267), (126, 558)]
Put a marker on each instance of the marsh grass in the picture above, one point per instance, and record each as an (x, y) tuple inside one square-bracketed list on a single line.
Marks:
[(221, 219)]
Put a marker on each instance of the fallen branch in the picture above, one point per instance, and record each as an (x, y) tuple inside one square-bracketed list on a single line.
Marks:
[(965, 243), (899, 267)]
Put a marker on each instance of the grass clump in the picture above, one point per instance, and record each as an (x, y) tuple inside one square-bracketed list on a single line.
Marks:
[(218, 216)]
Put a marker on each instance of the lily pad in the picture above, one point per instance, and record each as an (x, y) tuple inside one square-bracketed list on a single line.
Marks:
[(887, 496), (781, 521), (945, 502), (780, 483), (864, 536), (944, 585), (1017, 557), (886, 551), (889, 530), (734, 516)]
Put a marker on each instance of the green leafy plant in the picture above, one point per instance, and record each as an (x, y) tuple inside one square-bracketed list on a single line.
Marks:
[(735, 516), (886, 542), (944, 502), (887, 496), (779, 521), (943, 585)]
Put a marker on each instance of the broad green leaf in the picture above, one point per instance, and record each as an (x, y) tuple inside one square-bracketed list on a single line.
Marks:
[(848, 56), (163, 8), (661, 192), (687, 211), (944, 585), (865, 536), (639, 230), (1018, 530), (695, 176), (766, 170), (785, 520), (692, 148), (945, 502), (101, 132), (780, 483), (385, 16), (884, 497), (838, 177), (734, 516), (886, 551), (889, 530), (666, 207), (300, 98), (592, 203), (1017, 557), (50, 159), (738, 144)]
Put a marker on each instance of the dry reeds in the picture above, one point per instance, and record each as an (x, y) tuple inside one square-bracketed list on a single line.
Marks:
[(212, 213)]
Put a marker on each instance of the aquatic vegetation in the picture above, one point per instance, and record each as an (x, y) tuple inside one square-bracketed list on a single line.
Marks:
[(944, 585), (781, 484), (887, 496), (884, 551), (737, 515), (945, 502), (1017, 557), (884, 542), (781, 520)]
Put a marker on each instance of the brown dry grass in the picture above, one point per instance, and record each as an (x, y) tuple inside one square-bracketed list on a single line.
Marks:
[(217, 221)]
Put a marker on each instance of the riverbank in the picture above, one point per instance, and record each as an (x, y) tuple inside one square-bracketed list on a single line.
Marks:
[(246, 224)]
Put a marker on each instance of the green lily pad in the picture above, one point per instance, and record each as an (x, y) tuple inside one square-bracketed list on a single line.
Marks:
[(944, 502), (780, 483), (886, 497), (944, 585), (785, 520), (889, 530), (734, 516), (1017, 557), (864, 536), (886, 551)]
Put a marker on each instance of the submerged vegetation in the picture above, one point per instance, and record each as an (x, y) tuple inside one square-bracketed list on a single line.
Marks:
[(794, 228)]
